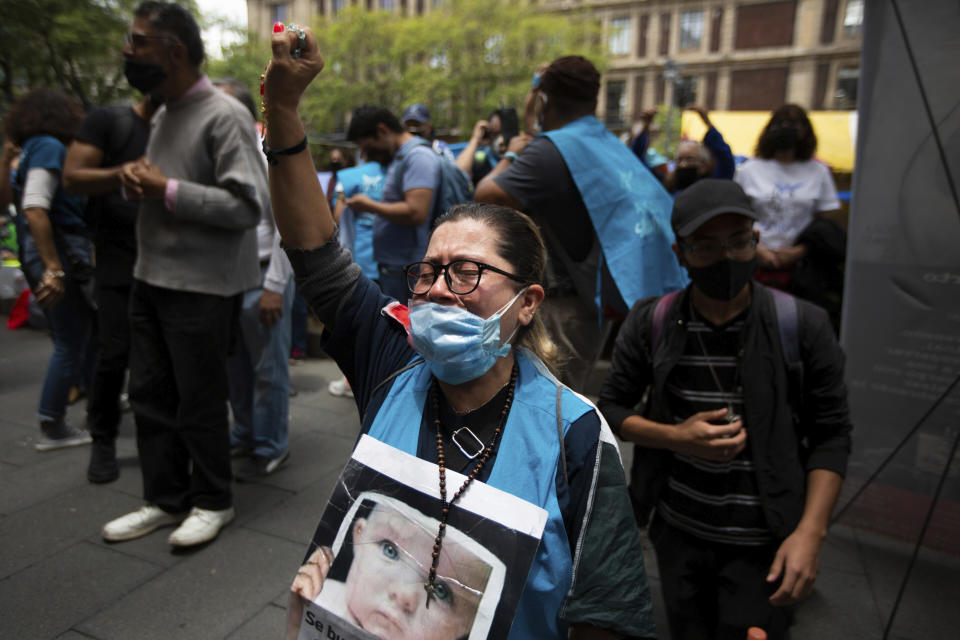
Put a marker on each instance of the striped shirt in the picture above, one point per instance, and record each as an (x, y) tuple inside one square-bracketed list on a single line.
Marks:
[(715, 501)]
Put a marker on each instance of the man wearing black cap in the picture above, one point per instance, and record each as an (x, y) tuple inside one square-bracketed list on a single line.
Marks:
[(600, 210), (744, 439)]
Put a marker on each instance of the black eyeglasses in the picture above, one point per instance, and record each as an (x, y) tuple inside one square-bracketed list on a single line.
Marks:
[(709, 250), (138, 40), (461, 276)]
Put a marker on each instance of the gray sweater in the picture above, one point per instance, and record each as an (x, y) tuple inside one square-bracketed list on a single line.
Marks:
[(208, 243)]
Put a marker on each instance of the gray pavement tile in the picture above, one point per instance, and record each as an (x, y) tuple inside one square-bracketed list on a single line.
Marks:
[(840, 607), (74, 635), (208, 595), (928, 608), (312, 456), (269, 622), (252, 499), (35, 477), (296, 518), (841, 551), (36, 532), (66, 587)]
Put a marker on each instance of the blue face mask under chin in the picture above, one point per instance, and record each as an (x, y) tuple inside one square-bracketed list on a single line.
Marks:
[(458, 345)]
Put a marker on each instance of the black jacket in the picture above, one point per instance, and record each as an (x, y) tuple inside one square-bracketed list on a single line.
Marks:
[(796, 420)]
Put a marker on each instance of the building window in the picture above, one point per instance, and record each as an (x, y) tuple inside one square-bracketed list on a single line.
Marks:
[(769, 24), (691, 29), (321, 8), (853, 19), (388, 5), (845, 96), (664, 33), (278, 13), (616, 103), (620, 36), (338, 6), (685, 91), (642, 36)]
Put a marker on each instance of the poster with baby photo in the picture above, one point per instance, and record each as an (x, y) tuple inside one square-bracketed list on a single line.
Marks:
[(368, 565)]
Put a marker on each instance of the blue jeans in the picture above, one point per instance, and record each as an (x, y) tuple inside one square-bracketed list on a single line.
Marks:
[(70, 321), (259, 375)]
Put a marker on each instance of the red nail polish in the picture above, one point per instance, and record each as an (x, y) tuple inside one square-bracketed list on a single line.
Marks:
[(278, 27)]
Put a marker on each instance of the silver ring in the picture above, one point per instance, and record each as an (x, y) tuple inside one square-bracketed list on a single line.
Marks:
[(301, 39)]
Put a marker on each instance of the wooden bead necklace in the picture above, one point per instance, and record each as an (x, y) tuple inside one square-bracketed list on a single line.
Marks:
[(444, 505)]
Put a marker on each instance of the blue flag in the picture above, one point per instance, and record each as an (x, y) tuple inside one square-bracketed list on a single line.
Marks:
[(629, 208), (356, 230)]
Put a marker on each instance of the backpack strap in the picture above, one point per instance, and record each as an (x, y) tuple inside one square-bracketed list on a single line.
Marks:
[(788, 325), (664, 304), (401, 159)]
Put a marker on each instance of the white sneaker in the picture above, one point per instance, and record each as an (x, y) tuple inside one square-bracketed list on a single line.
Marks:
[(202, 525), (139, 523), (340, 388)]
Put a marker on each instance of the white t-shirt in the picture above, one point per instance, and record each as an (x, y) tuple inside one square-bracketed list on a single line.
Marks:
[(786, 195)]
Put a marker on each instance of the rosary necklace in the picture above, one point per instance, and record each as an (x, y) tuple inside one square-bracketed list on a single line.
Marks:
[(430, 585)]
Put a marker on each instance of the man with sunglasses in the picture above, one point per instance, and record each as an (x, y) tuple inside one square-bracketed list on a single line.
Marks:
[(202, 189), (741, 446)]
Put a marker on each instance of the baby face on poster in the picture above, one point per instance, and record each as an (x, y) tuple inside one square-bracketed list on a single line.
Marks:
[(384, 589)]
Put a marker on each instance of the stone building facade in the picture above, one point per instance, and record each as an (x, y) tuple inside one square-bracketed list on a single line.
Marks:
[(724, 54)]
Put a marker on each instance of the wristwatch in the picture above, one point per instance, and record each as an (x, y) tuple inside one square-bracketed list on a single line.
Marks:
[(511, 156)]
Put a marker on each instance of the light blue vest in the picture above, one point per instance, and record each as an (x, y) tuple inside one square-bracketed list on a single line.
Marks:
[(525, 466), (629, 209)]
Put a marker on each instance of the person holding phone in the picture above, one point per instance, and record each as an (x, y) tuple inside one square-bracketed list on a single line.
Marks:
[(488, 142)]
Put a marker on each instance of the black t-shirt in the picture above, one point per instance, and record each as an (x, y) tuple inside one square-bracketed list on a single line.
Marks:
[(541, 182), (122, 137)]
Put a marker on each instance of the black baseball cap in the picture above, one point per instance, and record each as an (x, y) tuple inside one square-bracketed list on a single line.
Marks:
[(706, 199)]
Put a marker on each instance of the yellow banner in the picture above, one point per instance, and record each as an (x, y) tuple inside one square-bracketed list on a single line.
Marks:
[(836, 133)]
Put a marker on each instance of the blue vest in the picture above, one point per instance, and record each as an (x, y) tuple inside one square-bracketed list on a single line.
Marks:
[(629, 209), (356, 230), (529, 442)]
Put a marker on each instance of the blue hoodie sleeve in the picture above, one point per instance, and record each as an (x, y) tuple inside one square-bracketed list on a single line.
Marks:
[(726, 166)]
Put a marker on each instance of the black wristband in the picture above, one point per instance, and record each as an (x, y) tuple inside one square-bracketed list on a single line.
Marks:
[(289, 151)]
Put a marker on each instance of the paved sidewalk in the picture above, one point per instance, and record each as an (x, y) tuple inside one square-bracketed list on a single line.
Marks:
[(58, 579)]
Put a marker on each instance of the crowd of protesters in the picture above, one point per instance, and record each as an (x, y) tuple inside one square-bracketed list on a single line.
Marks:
[(168, 241)]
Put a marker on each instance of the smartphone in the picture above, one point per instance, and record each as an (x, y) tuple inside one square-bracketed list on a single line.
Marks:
[(509, 124)]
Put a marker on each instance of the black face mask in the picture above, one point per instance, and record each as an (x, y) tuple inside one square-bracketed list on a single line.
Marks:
[(683, 177), (336, 166), (784, 138), (143, 76), (723, 279)]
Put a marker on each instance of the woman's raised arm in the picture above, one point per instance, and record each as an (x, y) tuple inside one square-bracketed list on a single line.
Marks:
[(299, 206)]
